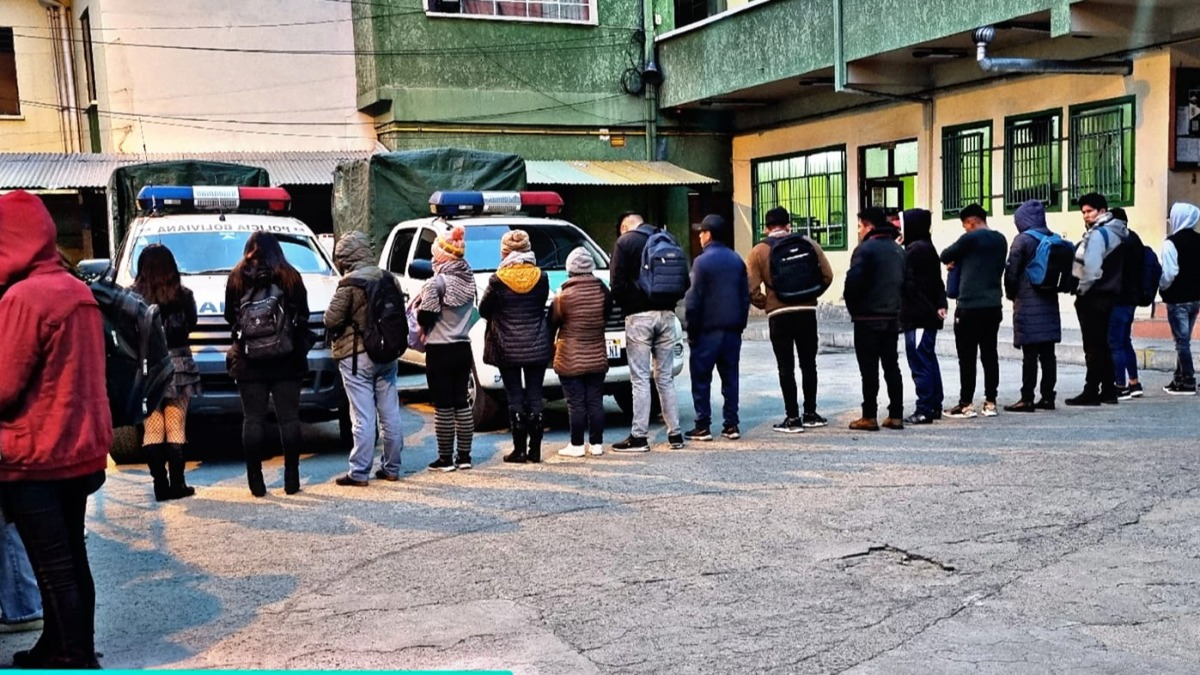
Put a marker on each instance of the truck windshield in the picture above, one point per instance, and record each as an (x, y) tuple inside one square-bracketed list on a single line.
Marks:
[(218, 252), (551, 245)]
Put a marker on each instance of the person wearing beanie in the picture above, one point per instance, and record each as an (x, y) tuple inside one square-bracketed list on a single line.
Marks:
[(577, 318), (517, 340), (444, 314), (1037, 324), (923, 307)]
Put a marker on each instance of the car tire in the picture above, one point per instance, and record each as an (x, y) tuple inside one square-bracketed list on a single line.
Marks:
[(624, 399), (126, 445), (486, 408)]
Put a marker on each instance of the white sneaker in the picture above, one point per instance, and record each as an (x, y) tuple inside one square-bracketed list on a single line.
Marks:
[(572, 451), (989, 409), (596, 450)]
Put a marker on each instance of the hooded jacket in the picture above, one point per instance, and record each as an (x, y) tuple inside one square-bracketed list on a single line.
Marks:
[(1035, 312), (876, 277), (925, 293), (347, 312), (1180, 281), (1097, 270), (54, 417), (514, 304)]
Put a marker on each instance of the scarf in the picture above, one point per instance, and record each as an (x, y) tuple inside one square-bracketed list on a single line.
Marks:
[(459, 284), (518, 258)]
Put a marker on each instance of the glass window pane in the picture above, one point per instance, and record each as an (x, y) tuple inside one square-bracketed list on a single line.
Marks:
[(906, 158)]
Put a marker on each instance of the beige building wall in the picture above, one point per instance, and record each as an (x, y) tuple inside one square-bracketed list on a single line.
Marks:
[(209, 75), (40, 127), (994, 101)]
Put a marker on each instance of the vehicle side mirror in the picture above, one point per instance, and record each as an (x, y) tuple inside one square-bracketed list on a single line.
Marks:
[(94, 268), (420, 269)]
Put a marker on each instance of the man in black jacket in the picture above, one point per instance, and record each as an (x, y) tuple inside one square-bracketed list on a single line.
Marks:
[(923, 307), (874, 282)]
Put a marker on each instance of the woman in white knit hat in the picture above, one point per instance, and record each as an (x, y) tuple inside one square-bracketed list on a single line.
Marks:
[(578, 315)]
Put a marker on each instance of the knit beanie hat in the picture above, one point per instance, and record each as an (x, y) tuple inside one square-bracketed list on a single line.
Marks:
[(580, 262), (450, 244), (514, 240)]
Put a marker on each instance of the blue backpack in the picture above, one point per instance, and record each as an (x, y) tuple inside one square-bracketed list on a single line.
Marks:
[(664, 272), (1050, 267)]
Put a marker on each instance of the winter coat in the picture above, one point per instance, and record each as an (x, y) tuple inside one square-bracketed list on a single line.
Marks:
[(758, 269), (979, 256), (1036, 318), (292, 366), (514, 305), (1096, 268), (719, 296), (54, 417), (876, 277), (625, 270), (1180, 280), (347, 312), (448, 303), (578, 314), (926, 292)]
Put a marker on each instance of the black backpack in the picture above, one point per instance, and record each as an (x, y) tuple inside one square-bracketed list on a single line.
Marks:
[(795, 269), (137, 362), (264, 325), (386, 334)]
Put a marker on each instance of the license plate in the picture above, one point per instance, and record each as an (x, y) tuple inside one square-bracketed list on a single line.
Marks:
[(614, 348)]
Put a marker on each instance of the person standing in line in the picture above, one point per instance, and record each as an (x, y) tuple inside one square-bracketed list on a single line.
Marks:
[(517, 340), (577, 318), (20, 600), (1180, 289), (650, 336), (165, 434), (1100, 273), (447, 302), (792, 325), (717, 306), (1120, 323), (874, 283), (53, 381), (370, 387), (923, 307), (265, 279), (1037, 324), (979, 255)]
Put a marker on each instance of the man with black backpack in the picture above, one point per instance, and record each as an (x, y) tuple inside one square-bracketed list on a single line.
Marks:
[(787, 272), (367, 318), (649, 276), (1120, 322)]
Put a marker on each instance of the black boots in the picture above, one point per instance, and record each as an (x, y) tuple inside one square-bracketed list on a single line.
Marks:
[(156, 459), (291, 472), (535, 430), (517, 424), (254, 476), (175, 465)]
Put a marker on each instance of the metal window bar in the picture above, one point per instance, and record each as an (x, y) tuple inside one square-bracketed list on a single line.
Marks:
[(1098, 140), (1031, 154), (965, 156), (816, 200)]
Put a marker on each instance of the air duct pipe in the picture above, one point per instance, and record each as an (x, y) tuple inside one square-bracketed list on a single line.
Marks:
[(984, 36)]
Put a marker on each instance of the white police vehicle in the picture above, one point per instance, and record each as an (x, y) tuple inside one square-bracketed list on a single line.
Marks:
[(206, 229), (486, 216)]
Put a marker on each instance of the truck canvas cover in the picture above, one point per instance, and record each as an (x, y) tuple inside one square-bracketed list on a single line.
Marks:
[(371, 195)]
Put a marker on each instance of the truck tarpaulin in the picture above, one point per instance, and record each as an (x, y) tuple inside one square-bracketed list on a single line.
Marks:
[(372, 195)]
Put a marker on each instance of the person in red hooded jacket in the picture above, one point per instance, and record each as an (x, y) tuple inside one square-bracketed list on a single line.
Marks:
[(55, 425)]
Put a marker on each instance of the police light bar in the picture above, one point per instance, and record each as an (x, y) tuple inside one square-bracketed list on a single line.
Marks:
[(212, 197), (445, 203)]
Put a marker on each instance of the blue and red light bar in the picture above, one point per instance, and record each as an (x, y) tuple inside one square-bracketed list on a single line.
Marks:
[(461, 203), (213, 197)]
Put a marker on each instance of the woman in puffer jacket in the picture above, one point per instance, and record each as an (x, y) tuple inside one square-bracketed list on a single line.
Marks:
[(517, 340), (578, 315)]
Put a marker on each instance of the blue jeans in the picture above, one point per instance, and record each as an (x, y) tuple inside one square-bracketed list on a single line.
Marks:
[(926, 374), (650, 337), (1182, 318), (20, 599), (1120, 331), (374, 403), (723, 349)]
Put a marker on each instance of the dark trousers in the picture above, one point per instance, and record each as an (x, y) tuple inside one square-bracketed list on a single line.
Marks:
[(723, 349), (585, 406), (1095, 313), (1120, 343), (876, 346), (798, 331), (524, 393), (975, 332), (49, 517), (926, 373), (447, 370), (256, 402), (1042, 352)]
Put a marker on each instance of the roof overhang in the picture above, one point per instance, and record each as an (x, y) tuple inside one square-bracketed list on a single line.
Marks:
[(611, 173)]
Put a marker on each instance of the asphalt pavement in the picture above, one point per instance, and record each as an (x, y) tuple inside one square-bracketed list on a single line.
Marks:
[(1047, 542)]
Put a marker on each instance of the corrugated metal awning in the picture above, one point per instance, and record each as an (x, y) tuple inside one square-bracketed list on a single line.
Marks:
[(51, 171), (611, 172)]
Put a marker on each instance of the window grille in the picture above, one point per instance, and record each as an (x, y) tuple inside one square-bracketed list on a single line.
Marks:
[(1102, 151), (1033, 160), (812, 187), (966, 167)]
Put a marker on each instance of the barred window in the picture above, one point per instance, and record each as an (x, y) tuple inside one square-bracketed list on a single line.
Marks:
[(812, 187), (571, 11), (966, 167), (1102, 150), (1033, 160)]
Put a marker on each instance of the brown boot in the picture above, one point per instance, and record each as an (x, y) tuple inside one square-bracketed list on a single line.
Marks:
[(893, 423), (864, 424)]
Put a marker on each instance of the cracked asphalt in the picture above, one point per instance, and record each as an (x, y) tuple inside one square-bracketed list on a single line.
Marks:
[(1043, 543)]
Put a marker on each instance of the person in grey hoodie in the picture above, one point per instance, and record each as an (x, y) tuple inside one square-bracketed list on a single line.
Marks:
[(1037, 324), (1180, 290), (1099, 274)]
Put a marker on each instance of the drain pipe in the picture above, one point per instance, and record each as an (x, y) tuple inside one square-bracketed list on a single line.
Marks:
[(984, 36)]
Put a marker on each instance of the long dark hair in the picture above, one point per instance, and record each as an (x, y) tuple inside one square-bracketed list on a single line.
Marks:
[(157, 276), (263, 251)]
